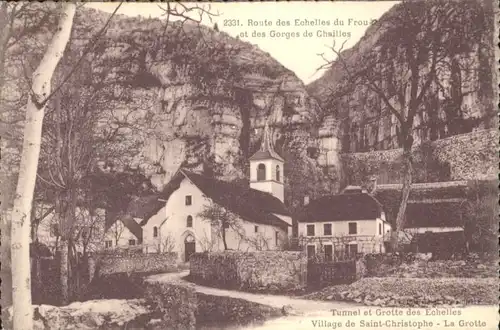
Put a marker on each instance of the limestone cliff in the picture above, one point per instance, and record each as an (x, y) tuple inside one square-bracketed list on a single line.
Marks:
[(206, 97)]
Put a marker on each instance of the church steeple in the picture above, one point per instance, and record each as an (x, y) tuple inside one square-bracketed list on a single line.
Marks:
[(266, 150), (266, 167)]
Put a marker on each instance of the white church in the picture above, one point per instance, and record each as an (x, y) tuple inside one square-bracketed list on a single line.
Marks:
[(262, 220)]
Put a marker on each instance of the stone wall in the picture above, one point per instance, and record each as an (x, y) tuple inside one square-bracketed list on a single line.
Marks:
[(461, 157), (270, 271), (136, 263), (471, 156), (387, 265)]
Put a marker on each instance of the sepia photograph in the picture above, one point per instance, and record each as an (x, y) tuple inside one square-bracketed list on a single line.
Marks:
[(249, 165)]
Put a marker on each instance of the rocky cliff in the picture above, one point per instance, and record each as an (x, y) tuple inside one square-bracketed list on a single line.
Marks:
[(203, 98), (460, 98)]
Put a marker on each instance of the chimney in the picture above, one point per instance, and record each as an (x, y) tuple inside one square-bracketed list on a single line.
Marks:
[(306, 200)]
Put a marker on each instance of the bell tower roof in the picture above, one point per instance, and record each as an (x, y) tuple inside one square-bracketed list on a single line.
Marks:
[(266, 150)]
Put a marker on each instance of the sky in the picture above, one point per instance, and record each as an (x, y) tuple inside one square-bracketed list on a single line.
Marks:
[(294, 33)]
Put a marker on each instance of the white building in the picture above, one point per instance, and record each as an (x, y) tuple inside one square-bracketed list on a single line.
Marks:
[(262, 221), (348, 223), (123, 233)]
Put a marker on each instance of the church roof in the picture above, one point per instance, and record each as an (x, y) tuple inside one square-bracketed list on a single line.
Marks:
[(250, 204), (266, 150)]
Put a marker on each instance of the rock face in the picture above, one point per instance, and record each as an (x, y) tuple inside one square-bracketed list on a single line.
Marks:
[(459, 100), (208, 97)]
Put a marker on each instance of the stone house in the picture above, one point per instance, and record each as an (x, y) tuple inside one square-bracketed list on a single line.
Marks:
[(343, 225), (262, 220)]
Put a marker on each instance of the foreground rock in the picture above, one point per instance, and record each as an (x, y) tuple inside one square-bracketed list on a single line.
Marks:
[(384, 265), (413, 292), (92, 314), (174, 305)]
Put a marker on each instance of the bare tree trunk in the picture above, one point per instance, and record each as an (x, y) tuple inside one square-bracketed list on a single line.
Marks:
[(405, 193), (64, 271), (21, 277), (92, 267), (224, 237)]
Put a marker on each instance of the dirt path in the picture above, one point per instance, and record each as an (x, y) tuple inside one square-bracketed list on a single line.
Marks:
[(300, 306), (309, 313)]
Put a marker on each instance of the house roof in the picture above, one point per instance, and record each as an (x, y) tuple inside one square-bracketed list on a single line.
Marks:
[(250, 204), (431, 190), (435, 204), (342, 207), (438, 214), (127, 220), (266, 150)]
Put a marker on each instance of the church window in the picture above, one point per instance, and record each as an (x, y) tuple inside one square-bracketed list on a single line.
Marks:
[(189, 221), (189, 200), (261, 172), (155, 231), (278, 173)]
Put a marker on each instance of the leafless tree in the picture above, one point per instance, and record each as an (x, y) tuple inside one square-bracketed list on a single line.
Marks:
[(207, 244), (39, 94), (419, 44), (116, 231), (221, 219), (21, 213), (259, 241), (167, 244)]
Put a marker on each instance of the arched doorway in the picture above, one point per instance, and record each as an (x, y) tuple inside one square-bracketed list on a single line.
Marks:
[(189, 247)]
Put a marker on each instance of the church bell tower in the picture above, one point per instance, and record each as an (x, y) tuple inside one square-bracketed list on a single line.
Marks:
[(266, 168)]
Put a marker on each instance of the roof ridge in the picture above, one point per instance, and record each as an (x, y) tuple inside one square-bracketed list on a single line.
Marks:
[(233, 184)]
